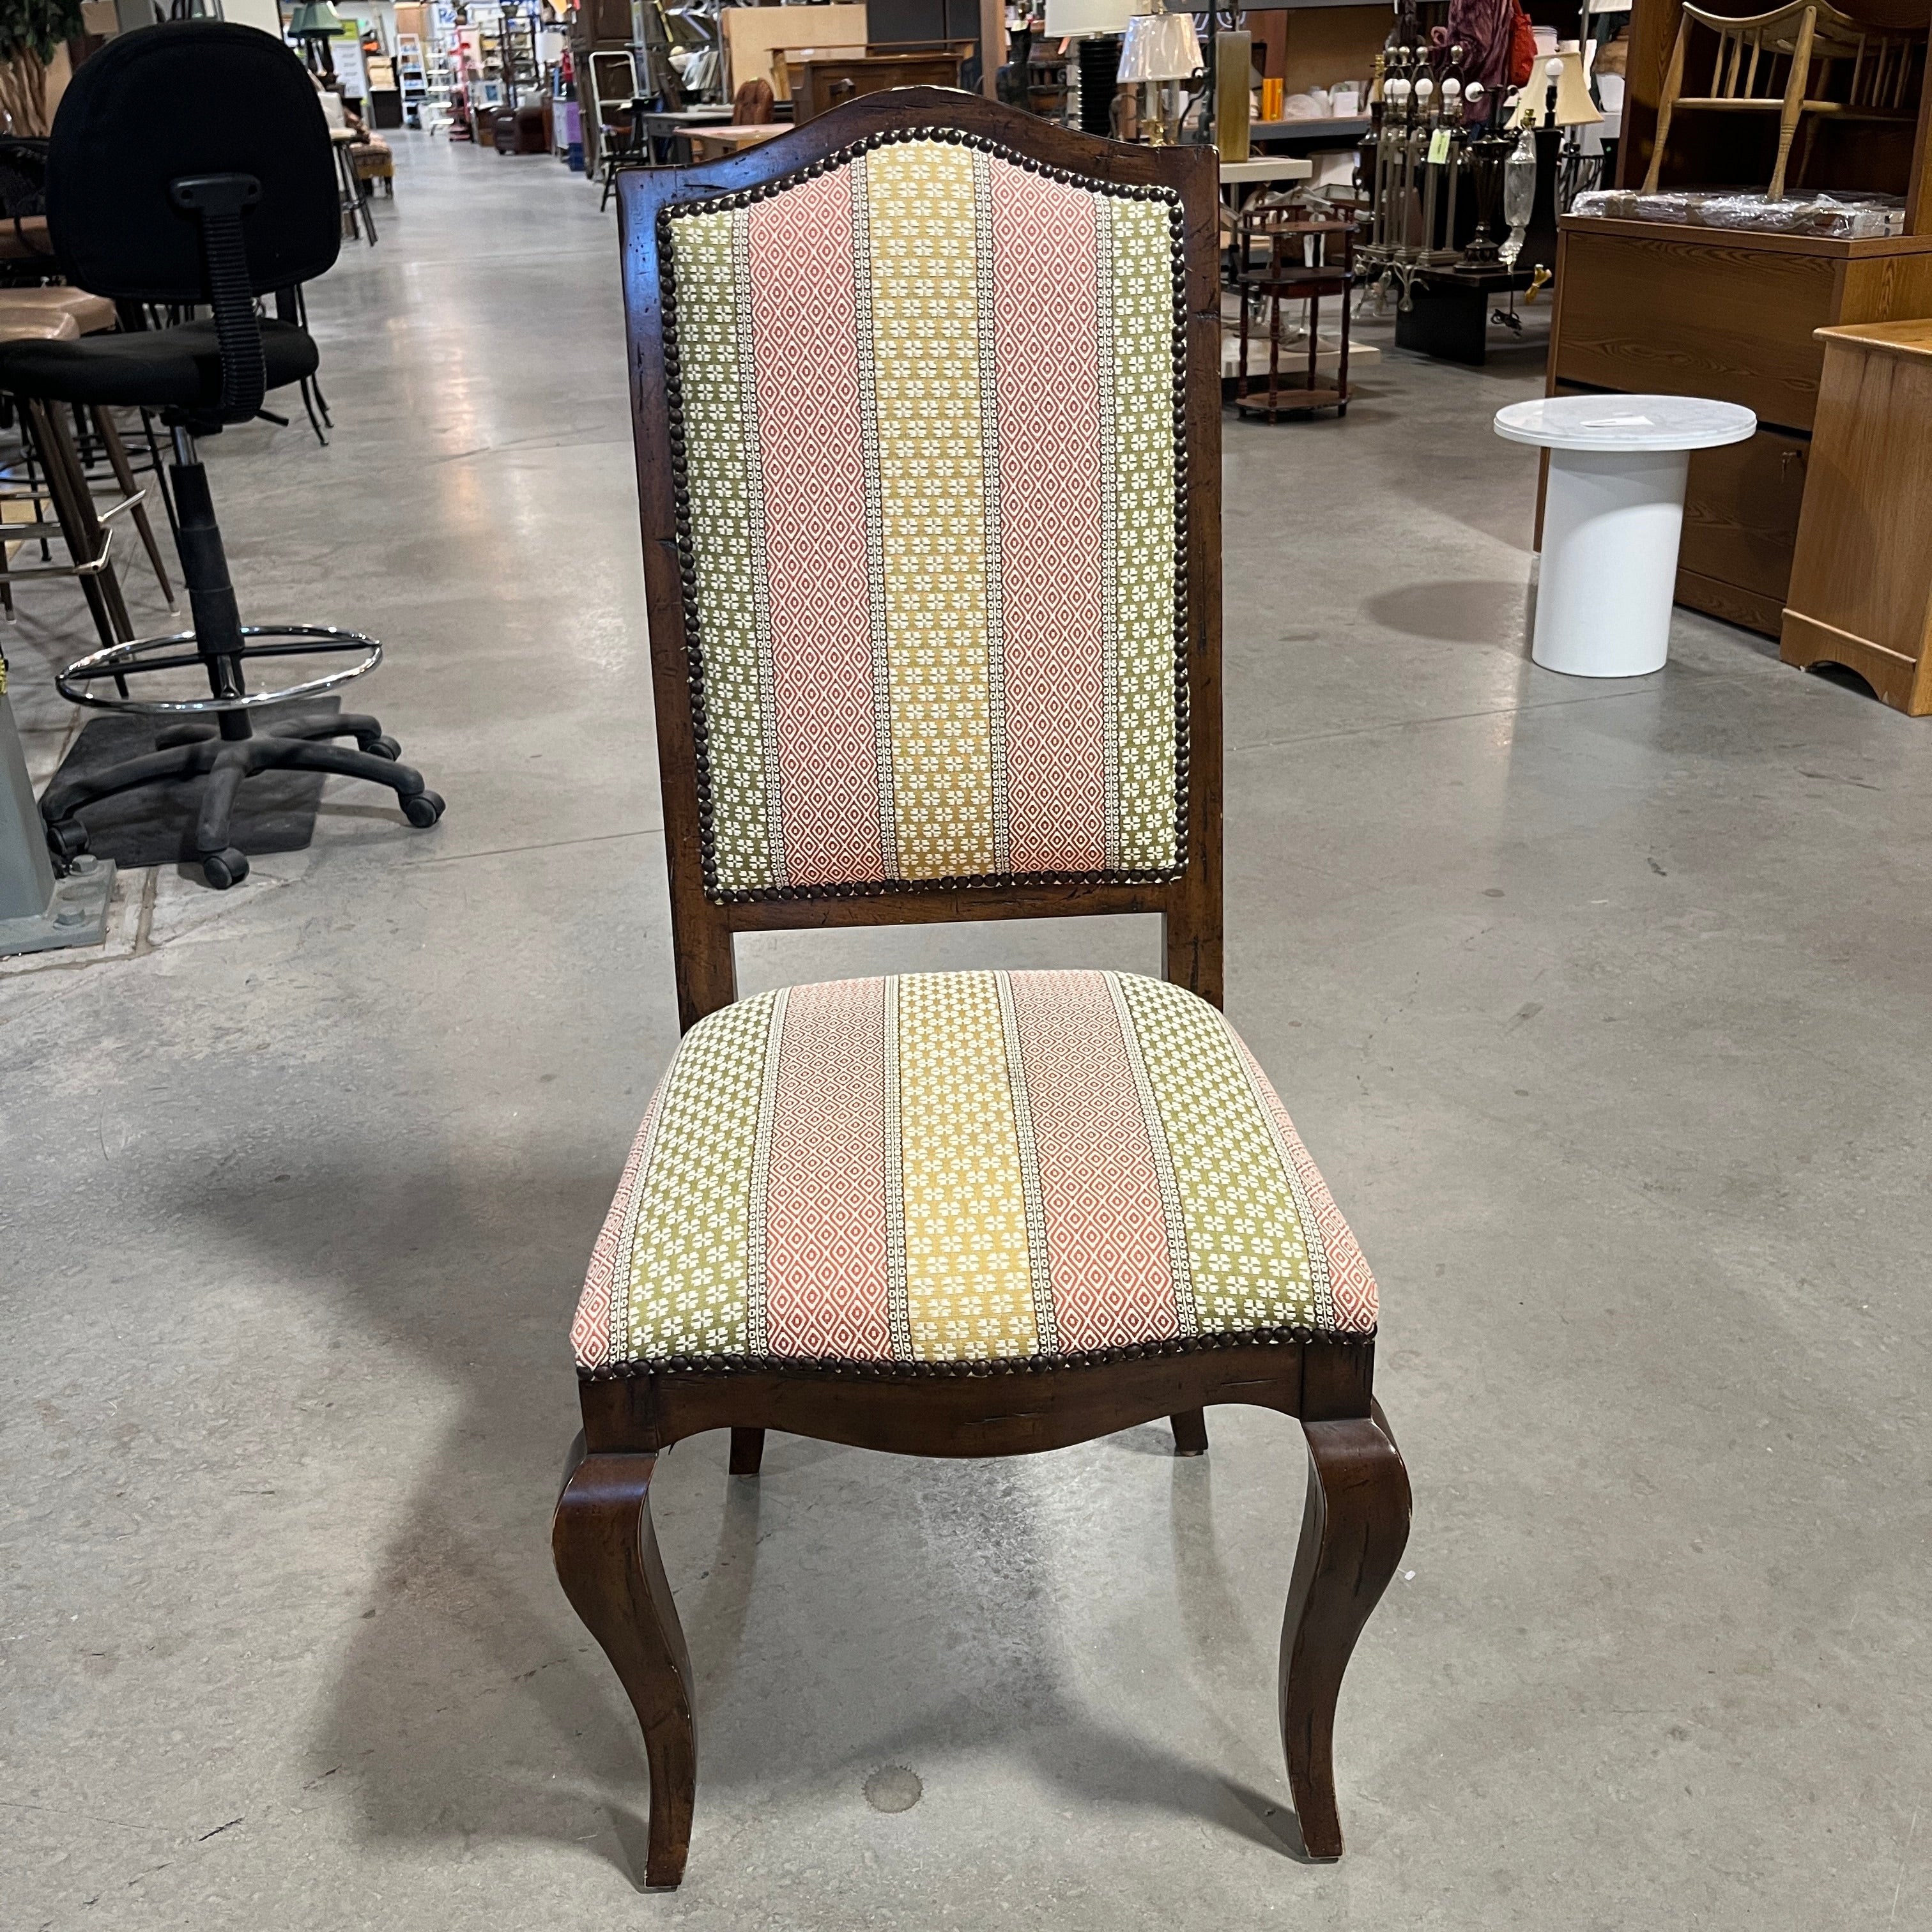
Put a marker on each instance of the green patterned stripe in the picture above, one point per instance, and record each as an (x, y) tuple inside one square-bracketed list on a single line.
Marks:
[(1319, 1285), (690, 1255), (721, 485), (1142, 260), (1247, 1256)]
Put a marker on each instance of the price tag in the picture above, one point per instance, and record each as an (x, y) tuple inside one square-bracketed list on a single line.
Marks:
[(1438, 148)]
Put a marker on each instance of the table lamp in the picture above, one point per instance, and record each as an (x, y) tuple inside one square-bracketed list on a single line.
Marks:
[(1097, 25), (318, 23), (1161, 49)]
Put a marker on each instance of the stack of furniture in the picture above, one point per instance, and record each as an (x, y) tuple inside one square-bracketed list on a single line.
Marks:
[(606, 74), (817, 85), (1807, 63), (1732, 313)]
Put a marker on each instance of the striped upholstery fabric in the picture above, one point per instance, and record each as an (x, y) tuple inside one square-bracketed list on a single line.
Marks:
[(928, 480), (964, 1168)]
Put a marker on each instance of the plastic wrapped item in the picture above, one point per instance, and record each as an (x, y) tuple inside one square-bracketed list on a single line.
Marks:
[(1844, 217)]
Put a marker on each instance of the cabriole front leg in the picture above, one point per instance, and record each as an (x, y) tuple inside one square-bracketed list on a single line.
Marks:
[(1352, 1535), (607, 1561)]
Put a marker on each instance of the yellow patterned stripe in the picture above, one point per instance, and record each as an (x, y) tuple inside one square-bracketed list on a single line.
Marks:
[(1141, 258), (925, 325), (969, 1261), (1247, 1257)]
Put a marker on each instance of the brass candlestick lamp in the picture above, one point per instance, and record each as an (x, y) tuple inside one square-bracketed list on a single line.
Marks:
[(1161, 49)]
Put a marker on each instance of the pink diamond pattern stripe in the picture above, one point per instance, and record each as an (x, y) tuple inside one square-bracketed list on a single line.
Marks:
[(1350, 1282), (825, 1217), (1106, 1232), (1045, 324), (810, 433)]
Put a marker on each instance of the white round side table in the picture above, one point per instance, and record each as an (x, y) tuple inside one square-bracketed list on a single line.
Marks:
[(1612, 517)]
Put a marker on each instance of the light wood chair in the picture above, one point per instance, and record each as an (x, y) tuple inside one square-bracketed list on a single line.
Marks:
[(931, 518), (1770, 63)]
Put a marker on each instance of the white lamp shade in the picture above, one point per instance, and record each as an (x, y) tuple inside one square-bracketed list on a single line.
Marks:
[(1160, 47), (1066, 18)]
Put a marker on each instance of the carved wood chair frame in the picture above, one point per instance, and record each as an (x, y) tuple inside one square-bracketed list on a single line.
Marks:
[(1356, 1518)]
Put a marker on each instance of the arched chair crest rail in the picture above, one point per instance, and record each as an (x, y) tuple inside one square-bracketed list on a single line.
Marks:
[(927, 403)]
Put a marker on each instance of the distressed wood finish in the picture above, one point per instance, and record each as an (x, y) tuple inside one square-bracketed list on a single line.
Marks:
[(606, 1551), (607, 1558), (1353, 1529)]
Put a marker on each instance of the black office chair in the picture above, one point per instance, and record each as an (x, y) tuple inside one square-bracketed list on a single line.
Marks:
[(190, 164)]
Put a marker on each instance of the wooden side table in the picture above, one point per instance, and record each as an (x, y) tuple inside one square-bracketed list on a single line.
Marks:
[(1309, 257), (719, 143), (1860, 590)]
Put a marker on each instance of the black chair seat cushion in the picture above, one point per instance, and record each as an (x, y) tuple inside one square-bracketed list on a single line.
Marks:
[(161, 368)]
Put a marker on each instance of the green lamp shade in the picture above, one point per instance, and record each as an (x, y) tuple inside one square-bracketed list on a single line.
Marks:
[(318, 18)]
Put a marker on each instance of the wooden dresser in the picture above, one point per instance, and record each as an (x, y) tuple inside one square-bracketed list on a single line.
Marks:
[(1730, 313), (1861, 586), (1644, 306)]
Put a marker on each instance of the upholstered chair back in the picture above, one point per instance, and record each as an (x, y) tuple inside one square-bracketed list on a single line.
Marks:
[(926, 424)]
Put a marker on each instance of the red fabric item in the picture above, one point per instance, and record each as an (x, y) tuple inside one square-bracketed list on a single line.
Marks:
[(1522, 50)]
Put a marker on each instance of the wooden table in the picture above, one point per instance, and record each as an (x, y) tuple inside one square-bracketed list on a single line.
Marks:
[(1862, 576), (715, 144), (26, 238), (671, 125), (1266, 168)]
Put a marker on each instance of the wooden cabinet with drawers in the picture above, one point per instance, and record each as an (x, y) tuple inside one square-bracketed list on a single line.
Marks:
[(1861, 586), (1645, 306)]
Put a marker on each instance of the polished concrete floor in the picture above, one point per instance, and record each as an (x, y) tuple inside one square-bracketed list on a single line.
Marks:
[(1604, 1007)]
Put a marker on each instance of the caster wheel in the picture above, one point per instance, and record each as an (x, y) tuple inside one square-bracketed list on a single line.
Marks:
[(424, 808), (384, 747), (66, 839), (224, 869)]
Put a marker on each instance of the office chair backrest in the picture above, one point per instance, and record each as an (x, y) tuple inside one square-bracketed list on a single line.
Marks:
[(195, 98)]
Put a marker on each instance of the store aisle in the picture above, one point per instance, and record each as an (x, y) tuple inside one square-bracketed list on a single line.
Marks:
[(1600, 1007)]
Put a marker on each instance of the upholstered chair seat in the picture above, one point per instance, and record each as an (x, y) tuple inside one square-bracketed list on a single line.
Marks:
[(965, 1167)]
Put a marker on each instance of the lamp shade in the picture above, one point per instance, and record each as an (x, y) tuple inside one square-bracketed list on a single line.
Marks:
[(1067, 20), (317, 16), (1160, 47)]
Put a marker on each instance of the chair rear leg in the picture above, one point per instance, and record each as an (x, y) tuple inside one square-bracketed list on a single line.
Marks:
[(1666, 106), (607, 1559), (1792, 111), (748, 1451), (123, 474), (1190, 1432), (1352, 1535)]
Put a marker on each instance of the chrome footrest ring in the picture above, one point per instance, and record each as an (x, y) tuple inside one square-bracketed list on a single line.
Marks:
[(137, 657)]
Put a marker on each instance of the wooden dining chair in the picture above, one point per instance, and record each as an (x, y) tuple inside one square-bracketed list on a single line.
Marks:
[(1804, 62), (927, 401)]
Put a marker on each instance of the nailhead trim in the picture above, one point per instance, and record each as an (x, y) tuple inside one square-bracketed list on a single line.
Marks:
[(688, 570), (837, 1368)]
